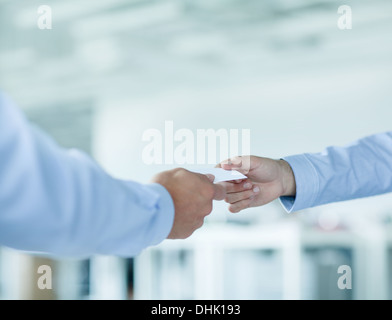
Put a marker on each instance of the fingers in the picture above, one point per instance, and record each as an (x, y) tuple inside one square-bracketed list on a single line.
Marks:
[(210, 177), (241, 205), (220, 192), (239, 196), (220, 188), (237, 186), (231, 163), (235, 162), (239, 163)]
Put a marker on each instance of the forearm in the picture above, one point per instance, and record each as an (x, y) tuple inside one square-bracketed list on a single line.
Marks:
[(110, 216), (361, 169), (61, 202)]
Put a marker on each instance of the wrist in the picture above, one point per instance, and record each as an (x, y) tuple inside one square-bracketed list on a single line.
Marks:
[(287, 179)]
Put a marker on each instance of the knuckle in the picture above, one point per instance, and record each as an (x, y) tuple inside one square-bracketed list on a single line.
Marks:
[(180, 171)]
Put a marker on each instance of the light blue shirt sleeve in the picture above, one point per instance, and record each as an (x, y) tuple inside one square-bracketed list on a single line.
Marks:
[(61, 202), (361, 169)]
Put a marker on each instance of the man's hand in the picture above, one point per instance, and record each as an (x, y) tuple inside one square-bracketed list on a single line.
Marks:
[(268, 180), (192, 194)]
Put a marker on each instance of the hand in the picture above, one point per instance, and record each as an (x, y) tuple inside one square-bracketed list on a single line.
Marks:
[(192, 194), (268, 180)]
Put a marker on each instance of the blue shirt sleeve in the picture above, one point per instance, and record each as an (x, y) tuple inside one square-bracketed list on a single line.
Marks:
[(60, 202), (361, 169)]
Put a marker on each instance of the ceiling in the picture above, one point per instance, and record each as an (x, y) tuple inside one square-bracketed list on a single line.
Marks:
[(104, 48)]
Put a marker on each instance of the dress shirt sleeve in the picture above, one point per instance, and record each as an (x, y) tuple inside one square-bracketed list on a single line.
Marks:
[(61, 202), (361, 169)]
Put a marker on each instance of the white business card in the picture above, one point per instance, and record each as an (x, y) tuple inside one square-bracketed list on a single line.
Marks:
[(221, 174)]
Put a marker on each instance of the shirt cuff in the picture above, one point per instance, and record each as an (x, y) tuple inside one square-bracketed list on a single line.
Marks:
[(307, 184), (165, 216)]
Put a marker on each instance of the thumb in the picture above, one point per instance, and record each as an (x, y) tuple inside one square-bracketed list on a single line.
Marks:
[(220, 192), (239, 163), (235, 162), (210, 177)]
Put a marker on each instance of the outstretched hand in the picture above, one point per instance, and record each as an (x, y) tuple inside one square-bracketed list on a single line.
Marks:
[(268, 180), (192, 195)]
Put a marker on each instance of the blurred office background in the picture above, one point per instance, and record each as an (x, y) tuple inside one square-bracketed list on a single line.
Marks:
[(111, 69)]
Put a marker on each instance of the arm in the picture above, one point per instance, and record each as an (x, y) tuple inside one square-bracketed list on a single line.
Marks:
[(61, 202), (361, 169), (358, 170)]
